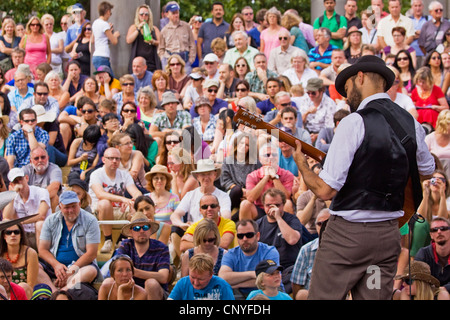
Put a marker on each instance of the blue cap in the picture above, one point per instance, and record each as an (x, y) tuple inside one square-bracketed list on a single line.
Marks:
[(41, 291), (172, 7), (68, 197), (77, 6)]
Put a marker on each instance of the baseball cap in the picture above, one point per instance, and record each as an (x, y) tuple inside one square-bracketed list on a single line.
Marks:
[(267, 266), (77, 7), (211, 57), (14, 173), (103, 69), (68, 197), (172, 7)]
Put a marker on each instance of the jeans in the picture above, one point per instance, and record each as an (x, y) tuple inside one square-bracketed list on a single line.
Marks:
[(57, 157), (98, 61)]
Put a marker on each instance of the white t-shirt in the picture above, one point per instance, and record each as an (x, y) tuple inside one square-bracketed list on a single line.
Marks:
[(404, 101), (37, 195), (101, 41), (191, 203), (54, 43), (117, 186)]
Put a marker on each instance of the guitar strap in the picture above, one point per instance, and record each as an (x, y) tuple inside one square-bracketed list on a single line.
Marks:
[(410, 147)]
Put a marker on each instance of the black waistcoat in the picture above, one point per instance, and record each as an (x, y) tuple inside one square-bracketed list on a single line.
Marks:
[(379, 172)]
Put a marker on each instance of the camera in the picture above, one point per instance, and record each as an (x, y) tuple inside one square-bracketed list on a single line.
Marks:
[(433, 181)]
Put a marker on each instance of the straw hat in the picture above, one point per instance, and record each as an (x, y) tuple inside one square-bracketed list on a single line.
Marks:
[(419, 271), (139, 218), (206, 165), (157, 168)]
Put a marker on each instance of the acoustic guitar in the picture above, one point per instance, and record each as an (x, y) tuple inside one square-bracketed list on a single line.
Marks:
[(256, 122)]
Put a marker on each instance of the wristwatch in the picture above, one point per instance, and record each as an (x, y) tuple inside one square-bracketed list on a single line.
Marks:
[(276, 176), (29, 130)]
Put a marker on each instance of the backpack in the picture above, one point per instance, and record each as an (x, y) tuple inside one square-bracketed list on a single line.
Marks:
[(338, 20)]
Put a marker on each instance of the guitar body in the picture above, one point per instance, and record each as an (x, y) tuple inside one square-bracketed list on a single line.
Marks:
[(256, 122)]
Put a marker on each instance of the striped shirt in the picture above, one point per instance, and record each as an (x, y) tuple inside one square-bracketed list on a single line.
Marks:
[(156, 258), (315, 56)]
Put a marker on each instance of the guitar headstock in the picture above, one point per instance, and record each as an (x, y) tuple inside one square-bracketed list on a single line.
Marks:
[(248, 119)]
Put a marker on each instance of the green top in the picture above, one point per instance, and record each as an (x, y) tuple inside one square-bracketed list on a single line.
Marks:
[(333, 26)]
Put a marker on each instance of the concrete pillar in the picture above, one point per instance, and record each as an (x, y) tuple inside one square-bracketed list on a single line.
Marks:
[(123, 17)]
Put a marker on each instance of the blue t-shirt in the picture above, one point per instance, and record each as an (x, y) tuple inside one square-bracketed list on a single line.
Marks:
[(218, 104), (279, 296), (288, 164), (217, 289), (66, 252)]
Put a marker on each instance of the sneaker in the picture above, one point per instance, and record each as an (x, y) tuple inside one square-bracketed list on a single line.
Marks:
[(107, 247)]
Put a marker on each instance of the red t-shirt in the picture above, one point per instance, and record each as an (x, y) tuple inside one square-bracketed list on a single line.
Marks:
[(18, 291), (427, 115)]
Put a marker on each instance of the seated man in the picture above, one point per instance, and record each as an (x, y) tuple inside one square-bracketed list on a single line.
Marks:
[(437, 253), (282, 100), (17, 58), (238, 264), (42, 173), (201, 283), (241, 49), (28, 201), (258, 78), (151, 257), (270, 175), (20, 143), (68, 245), (171, 119), (142, 77), (22, 90), (209, 208), (210, 90), (41, 96), (107, 188)]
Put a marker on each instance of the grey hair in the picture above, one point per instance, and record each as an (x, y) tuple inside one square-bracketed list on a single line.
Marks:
[(432, 5), (239, 32)]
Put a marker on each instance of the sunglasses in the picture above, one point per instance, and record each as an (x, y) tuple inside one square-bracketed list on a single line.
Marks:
[(287, 104), (143, 13), (209, 62), (248, 235), (128, 84), (206, 206), (403, 59), (438, 10), (29, 121), (241, 90), (311, 93), (88, 111), (172, 141), (42, 93), (282, 38), (10, 232), (175, 64), (129, 110), (213, 90), (210, 240), (442, 228), (40, 157), (34, 25), (436, 58), (88, 29), (144, 228)]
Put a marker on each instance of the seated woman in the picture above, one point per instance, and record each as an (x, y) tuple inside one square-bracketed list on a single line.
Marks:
[(86, 115), (237, 166), (144, 143), (180, 165), (146, 205), (206, 240), (14, 248), (131, 160), (53, 80), (438, 141), (121, 285), (81, 188), (83, 155), (171, 140), (427, 97), (159, 182), (129, 115)]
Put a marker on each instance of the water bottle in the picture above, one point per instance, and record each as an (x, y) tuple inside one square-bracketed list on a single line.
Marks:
[(147, 33)]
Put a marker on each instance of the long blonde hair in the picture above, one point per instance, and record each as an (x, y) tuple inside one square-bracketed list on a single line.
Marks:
[(443, 120), (150, 16)]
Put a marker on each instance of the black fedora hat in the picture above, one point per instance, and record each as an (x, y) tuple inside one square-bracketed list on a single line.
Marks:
[(367, 63)]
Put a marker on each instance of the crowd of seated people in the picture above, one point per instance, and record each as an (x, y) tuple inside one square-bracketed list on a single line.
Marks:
[(158, 151)]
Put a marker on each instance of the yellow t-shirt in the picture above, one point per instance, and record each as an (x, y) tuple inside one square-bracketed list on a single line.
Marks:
[(115, 84), (225, 225)]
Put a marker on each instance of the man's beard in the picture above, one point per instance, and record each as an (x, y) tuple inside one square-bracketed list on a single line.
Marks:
[(40, 168), (354, 99)]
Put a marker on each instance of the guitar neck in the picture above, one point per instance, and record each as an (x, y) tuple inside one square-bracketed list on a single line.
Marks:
[(253, 121)]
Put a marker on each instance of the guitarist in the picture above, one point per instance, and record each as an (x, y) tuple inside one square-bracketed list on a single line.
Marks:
[(365, 173)]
